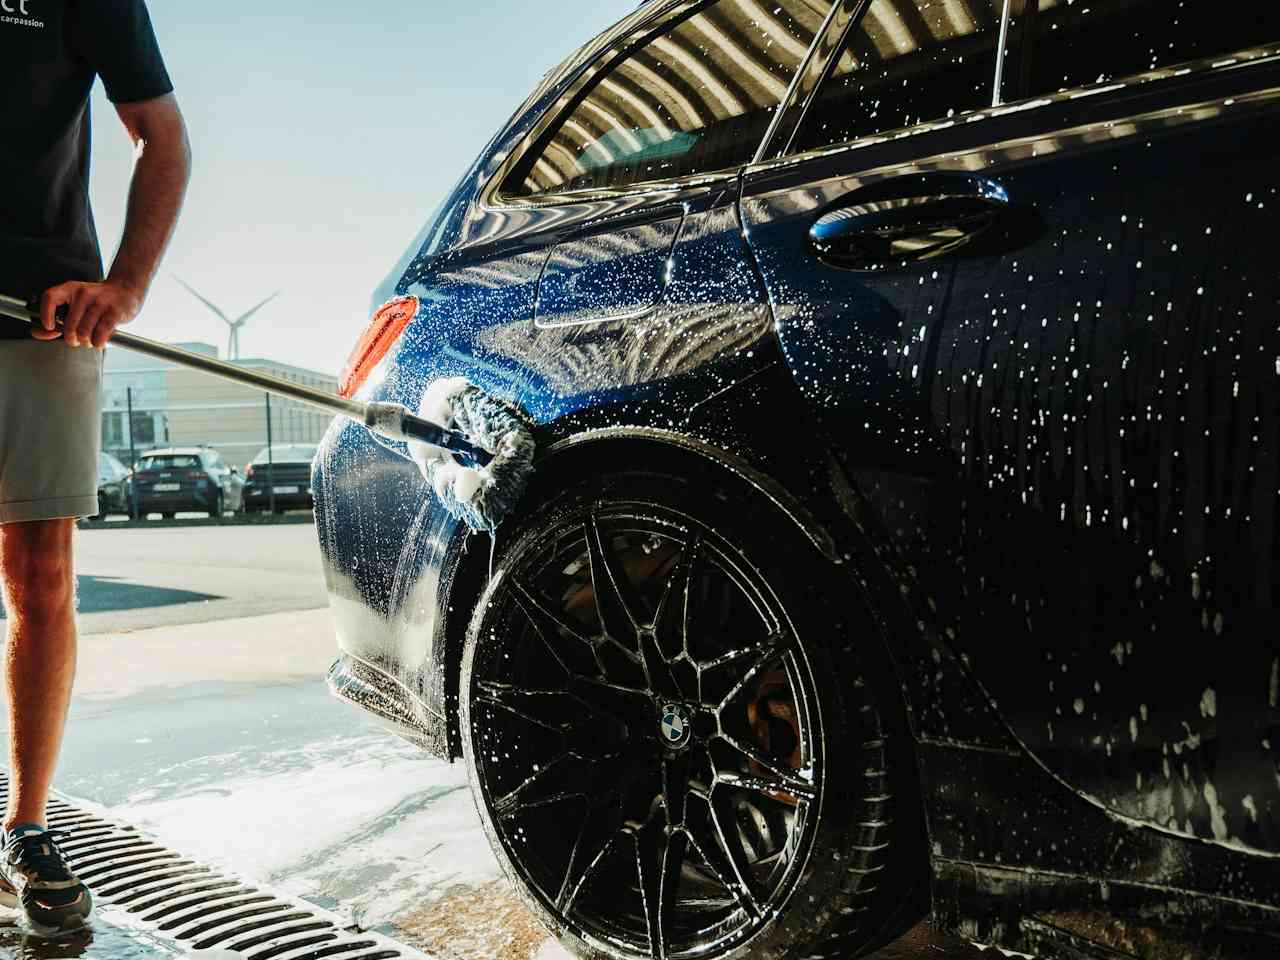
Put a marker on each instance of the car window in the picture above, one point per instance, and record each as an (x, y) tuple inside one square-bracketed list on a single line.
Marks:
[(109, 468), (905, 62), (1061, 44), (290, 453), (695, 99), (171, 462)]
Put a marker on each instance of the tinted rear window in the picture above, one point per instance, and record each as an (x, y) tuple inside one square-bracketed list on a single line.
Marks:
[(695, 99), (288, 454), (168, 463), (906, 62), (1061, 44)]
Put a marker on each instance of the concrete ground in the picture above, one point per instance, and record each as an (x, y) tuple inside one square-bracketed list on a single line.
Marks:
[(200, 714)]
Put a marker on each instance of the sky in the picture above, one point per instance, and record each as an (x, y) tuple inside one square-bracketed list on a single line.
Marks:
[(324, 135)]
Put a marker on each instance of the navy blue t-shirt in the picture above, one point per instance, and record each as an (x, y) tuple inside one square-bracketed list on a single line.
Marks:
[(50, 53)]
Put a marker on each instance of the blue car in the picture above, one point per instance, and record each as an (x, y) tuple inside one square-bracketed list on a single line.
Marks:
[(904, 537)]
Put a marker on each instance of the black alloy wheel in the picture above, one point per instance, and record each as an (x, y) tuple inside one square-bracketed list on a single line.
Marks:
[(666, 755)]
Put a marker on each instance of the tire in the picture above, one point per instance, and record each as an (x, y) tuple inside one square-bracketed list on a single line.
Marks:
[(714, 782)]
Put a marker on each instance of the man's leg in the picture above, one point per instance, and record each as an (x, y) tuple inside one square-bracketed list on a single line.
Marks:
[(40, 657), (50, 431)]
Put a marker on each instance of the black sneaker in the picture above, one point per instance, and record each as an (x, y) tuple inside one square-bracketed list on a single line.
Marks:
[(35, 877)]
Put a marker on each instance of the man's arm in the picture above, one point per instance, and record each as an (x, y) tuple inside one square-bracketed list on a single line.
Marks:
[(159, 184)]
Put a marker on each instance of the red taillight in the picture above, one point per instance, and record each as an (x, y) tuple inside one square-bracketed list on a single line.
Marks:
[(378, 337)]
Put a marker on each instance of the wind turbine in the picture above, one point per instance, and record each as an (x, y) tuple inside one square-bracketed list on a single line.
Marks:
[(233, 338)]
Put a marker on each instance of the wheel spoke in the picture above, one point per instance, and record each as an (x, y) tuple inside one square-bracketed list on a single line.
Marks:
[(660, 855), (618, 603), (717, 850), (549, 783), (656, 668), (675, 786), (672, 621), (621, 703), (526, 704), (763, 655), (769, 645), (574, 652), (596, 835), (767, 775)]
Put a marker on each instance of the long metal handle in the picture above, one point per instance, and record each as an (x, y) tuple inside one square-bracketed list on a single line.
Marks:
[(388, 419), (19, 310)]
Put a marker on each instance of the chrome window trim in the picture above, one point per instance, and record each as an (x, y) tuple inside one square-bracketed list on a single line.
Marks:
[(793, 88), (1035, 145), (1251, 58), (491, 198), (1002, 50)]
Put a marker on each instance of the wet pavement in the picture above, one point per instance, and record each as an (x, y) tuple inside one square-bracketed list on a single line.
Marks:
[(103, 942), (219, 737)]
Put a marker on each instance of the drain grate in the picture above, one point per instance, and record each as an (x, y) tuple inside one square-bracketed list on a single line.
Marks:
[(139, 884)]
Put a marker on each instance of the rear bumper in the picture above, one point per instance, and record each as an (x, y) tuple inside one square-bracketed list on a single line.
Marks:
[(377, 692), (261, 499), (182, 500), (384, 541)]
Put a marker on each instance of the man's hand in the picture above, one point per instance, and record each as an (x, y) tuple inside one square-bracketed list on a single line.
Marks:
[(94, 310)]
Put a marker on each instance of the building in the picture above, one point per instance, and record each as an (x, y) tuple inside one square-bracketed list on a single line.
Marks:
[(174, 406)]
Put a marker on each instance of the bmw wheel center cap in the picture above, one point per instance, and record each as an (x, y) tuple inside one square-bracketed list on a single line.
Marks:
[(677, 725)]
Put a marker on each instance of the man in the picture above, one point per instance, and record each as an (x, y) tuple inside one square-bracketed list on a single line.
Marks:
[(50, 53)]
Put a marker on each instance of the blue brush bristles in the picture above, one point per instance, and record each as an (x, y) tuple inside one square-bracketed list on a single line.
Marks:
[(481, 497)]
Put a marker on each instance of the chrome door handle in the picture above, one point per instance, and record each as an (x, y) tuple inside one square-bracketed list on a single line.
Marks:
[(907, 220)]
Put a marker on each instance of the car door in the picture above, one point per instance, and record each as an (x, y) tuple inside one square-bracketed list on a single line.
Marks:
[(1032, 301)]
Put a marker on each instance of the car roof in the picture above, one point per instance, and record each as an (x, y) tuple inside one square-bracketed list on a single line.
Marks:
[(175, 452)]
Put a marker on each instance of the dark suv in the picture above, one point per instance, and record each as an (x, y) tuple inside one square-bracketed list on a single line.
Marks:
[(905, 530), (186, 479), (279, 478)]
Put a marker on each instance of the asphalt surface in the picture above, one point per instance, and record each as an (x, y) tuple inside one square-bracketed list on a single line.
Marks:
[(131, 578), (200, 715)]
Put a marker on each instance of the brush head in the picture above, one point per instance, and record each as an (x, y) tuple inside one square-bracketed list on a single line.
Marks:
[(481, 497)]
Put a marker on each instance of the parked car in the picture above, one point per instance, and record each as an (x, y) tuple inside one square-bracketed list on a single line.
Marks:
[(187, 479), (113, 487), (287, 470), (904, 535)]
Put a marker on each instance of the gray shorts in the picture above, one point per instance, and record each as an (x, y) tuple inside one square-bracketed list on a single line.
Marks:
[(50, 430)]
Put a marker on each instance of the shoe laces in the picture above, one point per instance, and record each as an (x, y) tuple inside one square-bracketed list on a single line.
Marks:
[(38, 853)]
